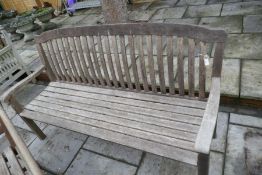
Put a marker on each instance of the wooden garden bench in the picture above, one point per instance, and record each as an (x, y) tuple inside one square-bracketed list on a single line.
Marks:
[(16, 159), (131, 84)]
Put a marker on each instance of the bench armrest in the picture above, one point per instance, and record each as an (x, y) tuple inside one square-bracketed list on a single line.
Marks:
[(18, 86), (206, 131), (19, 143)]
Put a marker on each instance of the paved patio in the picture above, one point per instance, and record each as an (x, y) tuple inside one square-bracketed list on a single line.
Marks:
[(237, 148)]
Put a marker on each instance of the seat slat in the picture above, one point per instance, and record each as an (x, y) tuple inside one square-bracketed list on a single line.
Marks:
[(133, 95), (150, 105), (14, 165), (126, 108), (124, 139), (3, 167), (181, 130)]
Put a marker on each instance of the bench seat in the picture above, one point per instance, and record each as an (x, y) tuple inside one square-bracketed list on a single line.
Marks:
[(159, 124)]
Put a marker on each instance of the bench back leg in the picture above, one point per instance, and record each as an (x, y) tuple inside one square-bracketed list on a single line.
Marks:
[(203, 164)]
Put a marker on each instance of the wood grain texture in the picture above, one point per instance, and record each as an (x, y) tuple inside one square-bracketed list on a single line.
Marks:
[(14, 165), (180, 66), (151, 63), (191, 67), (202, 71), (170, 65), (160, 64), (3, 167)]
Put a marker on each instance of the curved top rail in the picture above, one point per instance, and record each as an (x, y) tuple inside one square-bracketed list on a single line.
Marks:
[(180, 30)]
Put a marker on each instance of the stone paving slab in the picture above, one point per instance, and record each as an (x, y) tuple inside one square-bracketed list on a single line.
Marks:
[(17, 121), (116, 151), (245, 46), (88, 163), (73, 20), (156, 165), (191, 2), (222, 1), (219, 143), (245, 120), (216, 163), (203, 10), (167, 13), (92, 19), (162, 4), (143, 15), (251, 81), (56, 152), (231, 24), (252, 24), (183, 21), (242, 8), (243, 151)]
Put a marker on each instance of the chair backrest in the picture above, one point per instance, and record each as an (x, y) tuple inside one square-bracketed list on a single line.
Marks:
[(11, 65), (149, 57)]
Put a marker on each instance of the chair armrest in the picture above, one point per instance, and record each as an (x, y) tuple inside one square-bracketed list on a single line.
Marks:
[(205, 133), (20, 144), (18, 86)]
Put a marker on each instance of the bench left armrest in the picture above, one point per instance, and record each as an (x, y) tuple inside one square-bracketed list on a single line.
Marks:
[(206, 131)]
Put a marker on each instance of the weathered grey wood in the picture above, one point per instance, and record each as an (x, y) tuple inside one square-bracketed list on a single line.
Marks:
[(218, 58), (142, 63), (14, 165), (202, 71), (103, 62), (89, 60), (126, 108), (117, 61), (60, 59), (191, 67), (180, 65), (133, 61), (150, 105), (3, 167), (133, 95), (190, 31), (170, 64), (151, 63), (205, 134), (82, 60), (203, 164), (71, 60), (50, 61), (110, 62), (125, 63), (160, 65), (149, 146)]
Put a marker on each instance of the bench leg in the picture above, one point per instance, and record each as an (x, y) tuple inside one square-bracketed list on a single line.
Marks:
[(203, 164), (8, 136), (34, 128)]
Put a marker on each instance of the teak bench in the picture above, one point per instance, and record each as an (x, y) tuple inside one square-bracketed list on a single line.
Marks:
[(121, 83)]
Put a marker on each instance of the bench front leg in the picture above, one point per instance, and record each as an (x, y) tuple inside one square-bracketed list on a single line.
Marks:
[(203, 164), (31, 124)]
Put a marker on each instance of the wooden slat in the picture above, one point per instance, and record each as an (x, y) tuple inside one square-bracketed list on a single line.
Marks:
[(3, 167), (151, 63), (95, 59), (110, 62), (205, 134), (150, 105), (218, 58), (53, 57), (133, 95), (89, 60), (142, 63), (50, 61), (191, 67), (76, 59), (60, 59), (146, 145), (82, 60), (71, 60), (125, 63), (180, 66), (176, 127), (103, 62), (170, 64), (14, 165), (160, 65), (65, 58), (133, 61), (202, 71), (126, 108), (117, 61)]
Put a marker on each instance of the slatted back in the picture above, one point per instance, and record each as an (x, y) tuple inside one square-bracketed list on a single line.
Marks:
[(158, 58), (11, 65)]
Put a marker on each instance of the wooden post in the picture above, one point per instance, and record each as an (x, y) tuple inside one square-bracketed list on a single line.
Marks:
[(115, 11)]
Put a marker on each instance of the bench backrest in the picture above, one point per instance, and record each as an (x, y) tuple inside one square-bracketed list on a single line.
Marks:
[(150, 57)]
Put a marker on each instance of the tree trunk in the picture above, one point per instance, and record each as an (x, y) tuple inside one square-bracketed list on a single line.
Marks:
[(115, 11)]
